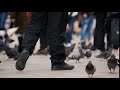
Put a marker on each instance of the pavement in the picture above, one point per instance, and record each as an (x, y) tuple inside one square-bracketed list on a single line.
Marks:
[(39, 66)]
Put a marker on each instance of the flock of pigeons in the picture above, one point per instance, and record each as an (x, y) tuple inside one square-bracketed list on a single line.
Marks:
[(90, 69)]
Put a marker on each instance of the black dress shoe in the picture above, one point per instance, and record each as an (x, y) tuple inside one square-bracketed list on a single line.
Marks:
[(21, 61), (63, 66)]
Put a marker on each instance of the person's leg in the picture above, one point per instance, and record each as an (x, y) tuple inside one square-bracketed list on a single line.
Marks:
[(38, 22), (115, 32), (100, 19), (93, 48), (69, 34), (108, 32), (56, 31), (0, 21), (3, 17), (109, 43), (20, 39), (43, 44), (83, 29), (43, 40), (89, 31)]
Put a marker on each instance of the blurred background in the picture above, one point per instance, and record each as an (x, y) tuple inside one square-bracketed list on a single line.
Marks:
[(94, 31)]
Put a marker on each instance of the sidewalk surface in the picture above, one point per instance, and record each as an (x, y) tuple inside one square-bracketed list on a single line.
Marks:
[(39, 67)]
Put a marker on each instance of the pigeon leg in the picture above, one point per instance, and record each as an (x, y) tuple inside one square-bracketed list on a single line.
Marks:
[(67, 59), (79, 61), (110, 71), (89, 76), (113, 71), (8, 58), (76, 61)]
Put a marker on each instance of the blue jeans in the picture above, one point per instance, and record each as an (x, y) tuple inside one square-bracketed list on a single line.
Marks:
[(3, 17), (86, 28), (69, 34)]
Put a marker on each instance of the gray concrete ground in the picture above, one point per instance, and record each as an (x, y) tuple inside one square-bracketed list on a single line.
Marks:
[(39, 67)]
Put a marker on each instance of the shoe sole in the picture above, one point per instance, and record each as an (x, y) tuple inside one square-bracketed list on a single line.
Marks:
[(21, 61), (54, 69)]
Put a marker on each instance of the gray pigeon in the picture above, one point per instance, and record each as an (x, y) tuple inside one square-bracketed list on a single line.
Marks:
[(76, 57), (108, 53), (11, 52), (90, 69), (88, 54), (112, 63)]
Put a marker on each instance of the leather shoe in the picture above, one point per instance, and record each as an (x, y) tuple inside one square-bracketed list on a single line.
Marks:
[(21, 60), (63, 66)]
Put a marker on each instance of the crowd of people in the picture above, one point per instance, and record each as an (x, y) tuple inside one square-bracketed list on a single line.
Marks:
[(85, 24)]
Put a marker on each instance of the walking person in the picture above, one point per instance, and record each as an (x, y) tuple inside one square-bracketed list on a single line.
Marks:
[(55, 22)]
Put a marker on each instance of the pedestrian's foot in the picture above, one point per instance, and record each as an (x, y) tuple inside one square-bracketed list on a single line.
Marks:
[(93, 48), (21, 61), (63, 66)]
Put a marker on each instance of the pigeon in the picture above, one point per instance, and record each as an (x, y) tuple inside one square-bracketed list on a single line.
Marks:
[(112, 63), (70, 49), (107, 54), (88, 54), (11, 52), (90, 69), (76, 57)]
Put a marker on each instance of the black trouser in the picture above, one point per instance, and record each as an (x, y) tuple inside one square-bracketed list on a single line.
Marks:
[(115, 32), (109, 42), (55, 22), (99, 33), (43, 40)]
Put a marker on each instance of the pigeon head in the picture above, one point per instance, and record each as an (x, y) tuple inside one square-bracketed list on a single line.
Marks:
[(113, 56), (90, 62)]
